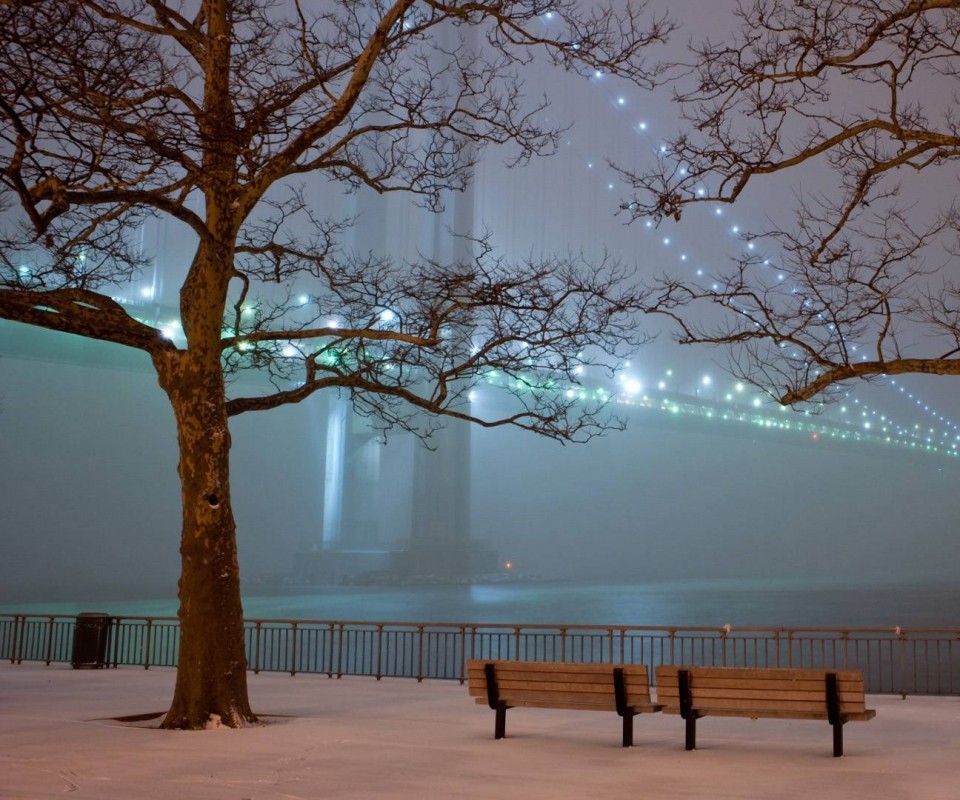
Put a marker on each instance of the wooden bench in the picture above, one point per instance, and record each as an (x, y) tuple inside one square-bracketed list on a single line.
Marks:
[(624, 688), (832, 695)]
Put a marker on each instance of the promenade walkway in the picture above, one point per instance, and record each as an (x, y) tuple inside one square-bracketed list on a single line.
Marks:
[(399, 740)]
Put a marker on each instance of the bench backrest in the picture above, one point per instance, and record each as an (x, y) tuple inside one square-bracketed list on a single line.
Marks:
[(551, 685), (803, 691)]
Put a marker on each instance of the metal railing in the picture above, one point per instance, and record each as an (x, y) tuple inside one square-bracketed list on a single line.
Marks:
[(893, 661)]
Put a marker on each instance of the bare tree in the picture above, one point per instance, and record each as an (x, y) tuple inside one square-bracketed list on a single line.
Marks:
[(207, 112), (860, 90)]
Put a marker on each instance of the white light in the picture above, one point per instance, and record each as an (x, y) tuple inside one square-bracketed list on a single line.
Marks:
[(289, 351), (718, 212), (303, 299), (739, 387), (699, 272), (632, 386), (578, 370), (662, 385), (701, 192), (642, 126), (570, 394), (706, 380), (735, 229), (332, 323), (756, 402), (549, 15), (750, 246), (23, 270), (387, 316), (471, 396), (597, 74), (621, 101), (610, 186), (146, 291), (589, 165), (666, 240), (663, 148)]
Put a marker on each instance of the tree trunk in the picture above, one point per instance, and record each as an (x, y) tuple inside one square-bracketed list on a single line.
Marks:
[(212, 670)]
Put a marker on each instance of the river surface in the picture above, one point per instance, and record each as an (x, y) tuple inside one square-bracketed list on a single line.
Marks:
[(741, 603)]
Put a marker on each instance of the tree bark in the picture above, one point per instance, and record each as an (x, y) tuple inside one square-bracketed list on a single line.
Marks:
[(211, 675)]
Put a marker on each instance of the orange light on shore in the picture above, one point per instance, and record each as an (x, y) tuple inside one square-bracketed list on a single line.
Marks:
[(508, 565)]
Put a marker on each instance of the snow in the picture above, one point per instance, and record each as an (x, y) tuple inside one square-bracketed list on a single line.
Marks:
[(399, 740)]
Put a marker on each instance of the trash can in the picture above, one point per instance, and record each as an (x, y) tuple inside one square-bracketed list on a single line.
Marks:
[(91, 635)]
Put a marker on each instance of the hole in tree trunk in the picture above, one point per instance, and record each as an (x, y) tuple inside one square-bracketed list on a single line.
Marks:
[(213, 501)]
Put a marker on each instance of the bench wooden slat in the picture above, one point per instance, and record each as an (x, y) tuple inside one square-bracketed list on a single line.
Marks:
[(559, 679), (510, 697), (772, 695), (671, 681), (761, 704), (760, 673), (598, 673), (854, 716), (639, 708), (478, 664), (512, 686)]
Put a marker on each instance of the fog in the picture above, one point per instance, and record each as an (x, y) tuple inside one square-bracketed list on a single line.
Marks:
[(89, 495)]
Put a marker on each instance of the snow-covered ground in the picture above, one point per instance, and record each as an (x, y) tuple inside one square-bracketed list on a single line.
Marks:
[(359, 738)]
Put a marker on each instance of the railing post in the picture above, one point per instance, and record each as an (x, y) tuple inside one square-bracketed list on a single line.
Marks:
[(420, 654), (149, 647), (329, 635), (563, 645), (340, 652), (463, 654), (19, 632), (296, 650), (516, 644), (256, 648), (49, 656), (115, 640), (379, 651), (903, 662)]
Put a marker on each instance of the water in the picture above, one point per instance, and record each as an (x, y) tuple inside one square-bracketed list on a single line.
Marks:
[(740, 603)]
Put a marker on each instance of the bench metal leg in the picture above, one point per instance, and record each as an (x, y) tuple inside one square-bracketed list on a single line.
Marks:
[(837, 739), (628, 730), (691, 732), (500, 725)]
